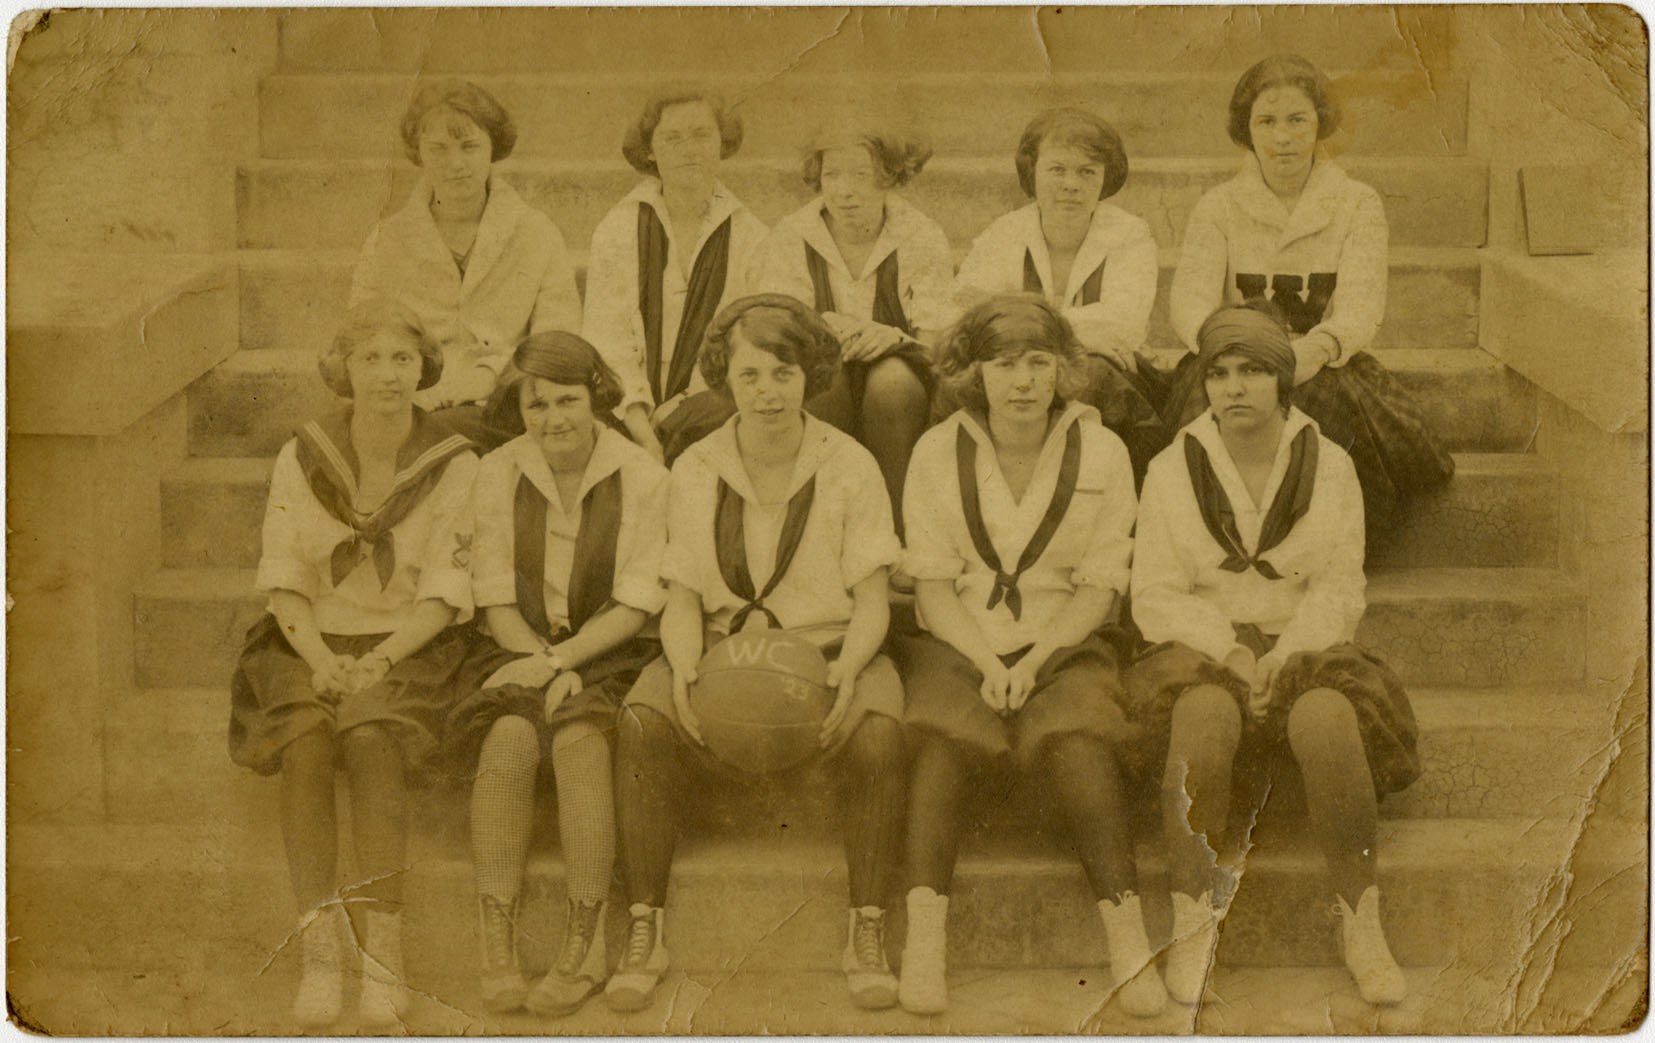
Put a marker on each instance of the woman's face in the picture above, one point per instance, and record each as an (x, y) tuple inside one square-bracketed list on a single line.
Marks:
[(769, 393), (1067, 181), (686, 144), (454, 152), (851, 187), (1242, 391), (1020, 385), (1284, 127), (384, 373), (559, 418)]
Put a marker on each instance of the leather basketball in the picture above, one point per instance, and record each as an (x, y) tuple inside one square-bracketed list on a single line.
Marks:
[(761, 697)]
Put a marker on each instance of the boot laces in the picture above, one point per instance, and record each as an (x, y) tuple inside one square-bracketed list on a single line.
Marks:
[(868, 939), (583, 924), (497, 932), (640, 941)]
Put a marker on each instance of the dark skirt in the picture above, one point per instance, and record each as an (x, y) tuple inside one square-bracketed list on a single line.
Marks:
[(604, 683), (1361, 408), (1078, 690), (1384, 715), (272, 702)]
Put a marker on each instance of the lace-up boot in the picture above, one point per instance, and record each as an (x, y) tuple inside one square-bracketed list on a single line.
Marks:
[(867, 974), (581, 966), (503, 987), (642, 963)]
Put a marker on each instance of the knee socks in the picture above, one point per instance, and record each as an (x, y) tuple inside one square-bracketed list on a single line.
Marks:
[(502, 807), (585, 810)]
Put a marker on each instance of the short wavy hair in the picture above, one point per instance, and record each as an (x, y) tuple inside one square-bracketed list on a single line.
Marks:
[(897, 158), (1008, 324), (779, 325), (1079, 129), (1281, 70), (562, 358), (371, 318), (466, 99), (635, 145)]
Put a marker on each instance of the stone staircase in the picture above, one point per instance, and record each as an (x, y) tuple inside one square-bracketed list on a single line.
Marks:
[(1469, 602)]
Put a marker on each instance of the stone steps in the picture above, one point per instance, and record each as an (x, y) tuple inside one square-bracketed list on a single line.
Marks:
[(1476, 892), (1476, 753), (296, 298), (1500, 509), (323, 203), (340, 115), (752, 42), (249, 405), (1438, 626)]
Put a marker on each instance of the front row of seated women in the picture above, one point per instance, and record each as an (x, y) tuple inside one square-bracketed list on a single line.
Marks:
[(1246, 586)]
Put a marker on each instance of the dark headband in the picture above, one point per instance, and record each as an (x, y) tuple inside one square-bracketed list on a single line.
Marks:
[(1250, 332)]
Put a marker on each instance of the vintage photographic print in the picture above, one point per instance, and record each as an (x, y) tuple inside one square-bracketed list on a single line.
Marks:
[(982, 521)]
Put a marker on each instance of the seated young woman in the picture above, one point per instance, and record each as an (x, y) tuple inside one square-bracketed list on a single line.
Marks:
[(1248, 579), (571, 522), (881, 274), (1020, 509), (777, 519), (366, 540)]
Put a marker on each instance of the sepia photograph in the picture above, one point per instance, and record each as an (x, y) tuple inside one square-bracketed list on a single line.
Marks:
[(723, 521)]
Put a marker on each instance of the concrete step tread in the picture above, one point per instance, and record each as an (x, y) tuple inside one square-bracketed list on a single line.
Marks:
[(255, 470), (992, 164), (286, 361), (1448, 258), (1407, 844)]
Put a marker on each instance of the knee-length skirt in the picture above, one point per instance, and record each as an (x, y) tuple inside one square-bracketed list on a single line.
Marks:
[(1384, 715), (1077, 690), (272, 701)]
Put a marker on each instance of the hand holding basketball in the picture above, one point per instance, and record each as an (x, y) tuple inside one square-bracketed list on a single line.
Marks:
[(845, 685), (562, 687), (762, 700), (681, 681)]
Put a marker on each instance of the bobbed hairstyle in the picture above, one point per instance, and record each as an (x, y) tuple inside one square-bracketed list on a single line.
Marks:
[(460, 98), (562, 358), (897, 158), (1281, 70), (1078, 129), (778, 325), (375, 317), (1008, 324), (635, 145)]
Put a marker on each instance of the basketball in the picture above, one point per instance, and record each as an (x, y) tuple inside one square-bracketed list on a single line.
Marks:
[(761, 697)]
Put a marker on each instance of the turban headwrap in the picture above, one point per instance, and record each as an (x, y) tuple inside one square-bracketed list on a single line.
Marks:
[(1254, 334)]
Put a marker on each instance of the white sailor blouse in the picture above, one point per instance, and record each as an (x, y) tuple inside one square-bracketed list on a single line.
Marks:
[(794, 563), (907, 281), (560, 564), (1111, 283), (1015, 563), (363, 573), (1324, 263), (516, 280), (1208, 558), (643, 314)]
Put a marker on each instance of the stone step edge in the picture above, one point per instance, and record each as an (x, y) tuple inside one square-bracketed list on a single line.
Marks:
[(1406, 844), (293, 361), (255, 470), (995, 164), (1408, 258), (1385, 586)]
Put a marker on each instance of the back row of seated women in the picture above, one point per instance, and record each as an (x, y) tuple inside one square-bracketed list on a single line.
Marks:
[(383, 530), (482, 268)]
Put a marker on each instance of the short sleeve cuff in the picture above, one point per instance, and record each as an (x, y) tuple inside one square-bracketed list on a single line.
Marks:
[(452, 586), (926, 566), (645, 597), (859, 563), (673, 570), (494, 590), (287, 574), (1115, 580)]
